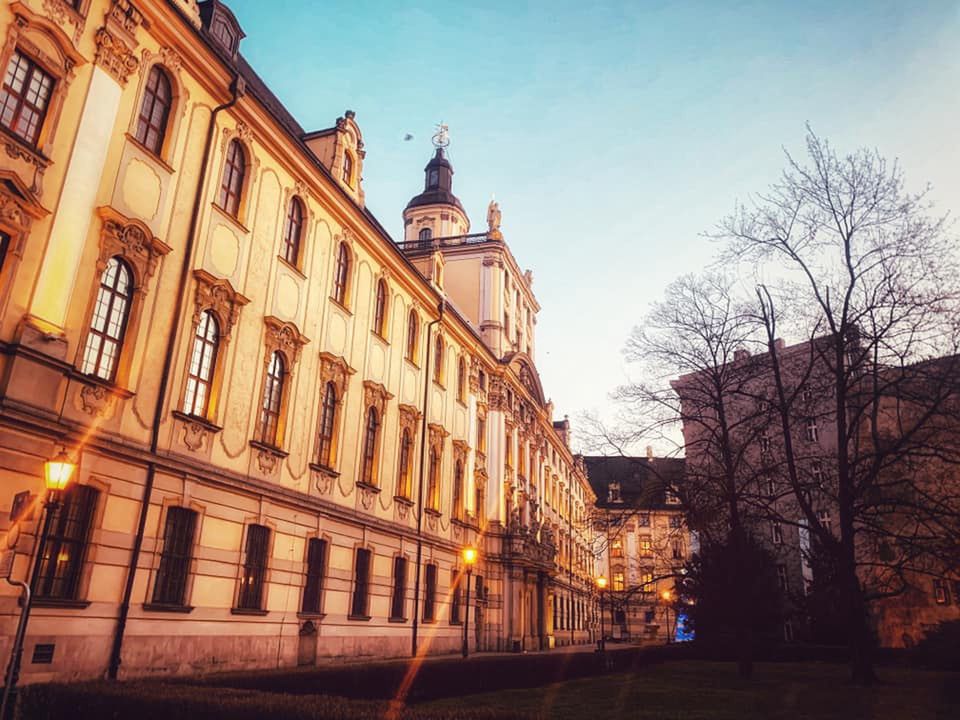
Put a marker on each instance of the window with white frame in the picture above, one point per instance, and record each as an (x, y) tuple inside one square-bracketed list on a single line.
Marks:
[(811, 431)]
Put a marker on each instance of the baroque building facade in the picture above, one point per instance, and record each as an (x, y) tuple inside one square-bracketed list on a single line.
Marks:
[(286, 425)]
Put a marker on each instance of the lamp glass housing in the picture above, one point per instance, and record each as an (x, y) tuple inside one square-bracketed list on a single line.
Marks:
[(58, 472), (469, 555)]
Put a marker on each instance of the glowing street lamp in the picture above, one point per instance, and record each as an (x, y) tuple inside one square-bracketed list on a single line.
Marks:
[(57, 474), (470, 555), (667, 597), (601, 586)]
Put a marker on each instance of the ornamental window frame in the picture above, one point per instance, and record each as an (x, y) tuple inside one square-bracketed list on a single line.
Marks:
[(375, 398), (409, 423), (335, 373), (294, 230), (381, 304), (412, 348), (236, 164), (340, 288), (145, 123), (283, 340)]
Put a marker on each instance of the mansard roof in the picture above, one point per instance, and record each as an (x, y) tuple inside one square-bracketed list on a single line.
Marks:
[(643, 481)]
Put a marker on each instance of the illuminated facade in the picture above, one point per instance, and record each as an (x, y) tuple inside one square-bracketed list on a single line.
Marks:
[(287, 426)]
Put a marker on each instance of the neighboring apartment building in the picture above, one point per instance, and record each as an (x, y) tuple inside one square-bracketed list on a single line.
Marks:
[(766, 499), (286, 425), (643, 543)]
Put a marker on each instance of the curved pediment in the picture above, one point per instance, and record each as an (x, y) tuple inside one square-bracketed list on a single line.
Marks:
[(522, 365)]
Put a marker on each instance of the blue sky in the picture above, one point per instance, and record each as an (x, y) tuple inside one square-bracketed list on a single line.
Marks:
[(613, 134)]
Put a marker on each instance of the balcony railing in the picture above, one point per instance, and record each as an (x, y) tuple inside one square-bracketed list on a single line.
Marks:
[(444, 242)]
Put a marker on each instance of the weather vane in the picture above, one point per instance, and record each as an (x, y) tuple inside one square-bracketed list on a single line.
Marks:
[(441, 138)]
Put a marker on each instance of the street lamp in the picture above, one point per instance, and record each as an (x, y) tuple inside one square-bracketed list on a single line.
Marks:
[(469, 558), (667, 598), (57, 474), (601, 586)]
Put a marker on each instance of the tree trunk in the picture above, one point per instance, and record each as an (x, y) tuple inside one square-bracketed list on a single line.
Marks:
[(861, 635)]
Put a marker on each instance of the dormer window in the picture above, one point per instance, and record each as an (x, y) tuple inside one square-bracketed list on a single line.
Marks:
[(613, 493), (221, 25), (223, 33), (347, 169)]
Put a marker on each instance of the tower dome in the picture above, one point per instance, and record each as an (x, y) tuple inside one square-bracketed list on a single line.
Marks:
[(435, 212), (437, 183)]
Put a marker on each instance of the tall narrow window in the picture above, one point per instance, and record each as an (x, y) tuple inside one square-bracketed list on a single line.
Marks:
[(425, 235), (328, 414), (24, 98), (341, 274), (481, 434), (455, 599), (292, 232), (380, 310), (63, 555), (348, 168), (438, 360), (231, 186), (458, 490), (272, 400), (413, 332), (398, 597), (430, 593), (154, 111), (171, 585), (4, 245), (462, 380), (203, 360), (433, 481), (254, 568), (812, 431), (313, 584), (368, 472), (782, 577), (109, 324), (361, 584), (618, 581), (777, 533), (405, 477)]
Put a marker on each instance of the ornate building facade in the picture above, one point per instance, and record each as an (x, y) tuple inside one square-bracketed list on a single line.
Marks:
[(286, 425)]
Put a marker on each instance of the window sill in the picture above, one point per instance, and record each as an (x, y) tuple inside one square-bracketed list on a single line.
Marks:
[(342, 306), (291, 266), (433, 512), (311, 615), (397, 619), (380, 337), (109, 385), (249, 611), (359, 618), (403, 500), (162, 607), (323, 469), (40, 602), (428, 621), (196, 420), (149, 153), (235, 221), (411, 363), (28, 151), (369, 487), (439, 384), (273, 450), (458, 623)]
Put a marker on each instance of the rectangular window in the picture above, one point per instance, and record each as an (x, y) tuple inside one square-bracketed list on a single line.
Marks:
[(398, 598), (824, 517), (816, 472), (430, 592), (764, 444), (677, 550), (618, 581), (777, 533), (648, 616), (616, 548), (171, 585), (361, 584), (481, 435), (643, 520), (63, 555), (940, 592), (646, 580), (313, 584), (812, 432), (254, 568), (646, 546), (455, 600), (24, 97), (782, 576)]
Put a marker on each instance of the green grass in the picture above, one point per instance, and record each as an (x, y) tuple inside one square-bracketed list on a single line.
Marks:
[(700, 690)]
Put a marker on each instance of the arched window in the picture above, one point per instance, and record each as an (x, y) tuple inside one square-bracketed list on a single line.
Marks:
[(154, 111), (413, 331), (348, 168), (462, 380), (231, 186), (341, 274), (272, 400), (24, 97), (433, 481), (328, 416), (405, 477), (109, 323), (458, 490), (380, 309), (438, 360), (292, 231), (203, 360), (368, 472), (426, 234)]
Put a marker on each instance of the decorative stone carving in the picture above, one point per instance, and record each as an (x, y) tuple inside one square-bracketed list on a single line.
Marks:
[(69, 20), (243, 132), (436, 435), (218, 295), (191, 10), (114, 56), (335, 369), (170, 58), (460, 451), (194, 435), (96, 400), (403, 509), (283, 337), (375, 395), (367, 496), (322, 478), (409, 419), (131, 240), (267, 461), (433, 519)]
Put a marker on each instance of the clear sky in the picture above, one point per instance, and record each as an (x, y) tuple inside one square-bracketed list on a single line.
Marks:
[(613, 134)]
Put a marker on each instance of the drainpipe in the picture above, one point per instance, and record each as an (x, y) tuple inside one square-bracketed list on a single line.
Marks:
[(423, 462), (237, 89)]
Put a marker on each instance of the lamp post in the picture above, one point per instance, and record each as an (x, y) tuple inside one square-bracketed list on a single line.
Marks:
[(667, 597), (469, 558), (56, 474), (601, 585)]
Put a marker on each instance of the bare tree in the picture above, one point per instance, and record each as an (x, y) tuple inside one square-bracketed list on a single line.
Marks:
[(872, 279)]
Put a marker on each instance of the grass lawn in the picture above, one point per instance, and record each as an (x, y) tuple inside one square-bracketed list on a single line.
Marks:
[(694, 690)]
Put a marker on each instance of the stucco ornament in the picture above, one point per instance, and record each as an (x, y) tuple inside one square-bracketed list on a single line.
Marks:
[(493, 221), (267, 461), (96, 401)]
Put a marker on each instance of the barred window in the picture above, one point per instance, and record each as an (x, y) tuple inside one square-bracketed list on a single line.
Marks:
[(368, 472), (341, 274), (109, 323), (154, 111), (272, 400), (203, 360), (24, 98), (455, 599), (66, 547), (313, 585), (328, 414), (430, 593), (398, 598), (231, 185), (413, 330), (254, 568), (380, 310), (171, 585), (361, 584), (292, 231), (405, 478)]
